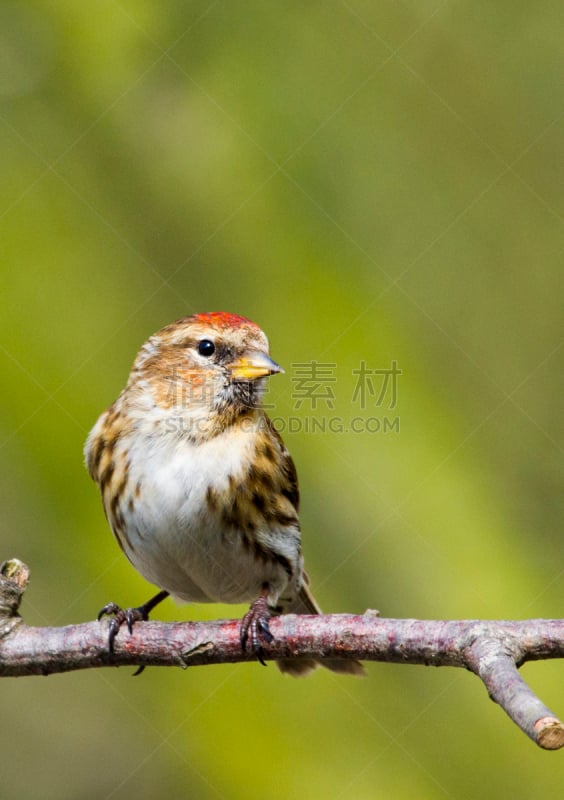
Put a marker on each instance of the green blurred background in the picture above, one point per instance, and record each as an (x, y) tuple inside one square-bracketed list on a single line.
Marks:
[(367, 181)]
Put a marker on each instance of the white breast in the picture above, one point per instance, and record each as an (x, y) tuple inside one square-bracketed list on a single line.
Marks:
[(174, 539)]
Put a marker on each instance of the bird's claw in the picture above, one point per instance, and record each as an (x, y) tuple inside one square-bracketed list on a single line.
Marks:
[(254, 627), (120, 615), (130, 616)]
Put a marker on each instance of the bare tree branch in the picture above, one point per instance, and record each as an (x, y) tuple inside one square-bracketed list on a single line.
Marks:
[(493, 650)]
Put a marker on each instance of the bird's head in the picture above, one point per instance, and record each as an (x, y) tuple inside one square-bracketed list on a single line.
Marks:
[(208, 369)]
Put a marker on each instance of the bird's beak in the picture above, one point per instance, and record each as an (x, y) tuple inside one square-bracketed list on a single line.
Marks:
[(252, 365)]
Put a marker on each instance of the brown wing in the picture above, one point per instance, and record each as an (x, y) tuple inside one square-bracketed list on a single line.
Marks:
[(288, 468)]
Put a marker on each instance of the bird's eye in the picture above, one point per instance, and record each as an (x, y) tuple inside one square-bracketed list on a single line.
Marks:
[(206, 347)]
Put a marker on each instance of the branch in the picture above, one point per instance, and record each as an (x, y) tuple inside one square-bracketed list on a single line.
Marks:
[(493, 650)]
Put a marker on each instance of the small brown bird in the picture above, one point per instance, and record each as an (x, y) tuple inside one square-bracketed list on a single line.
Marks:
[(197, 485)]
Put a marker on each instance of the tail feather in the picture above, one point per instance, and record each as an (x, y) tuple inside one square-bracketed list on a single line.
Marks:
[(305, 603)]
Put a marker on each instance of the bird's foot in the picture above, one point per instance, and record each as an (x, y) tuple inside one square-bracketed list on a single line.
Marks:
[(129, 616), (254, 626)]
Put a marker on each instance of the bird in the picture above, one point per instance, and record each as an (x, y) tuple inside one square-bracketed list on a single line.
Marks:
[(197, 485)]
